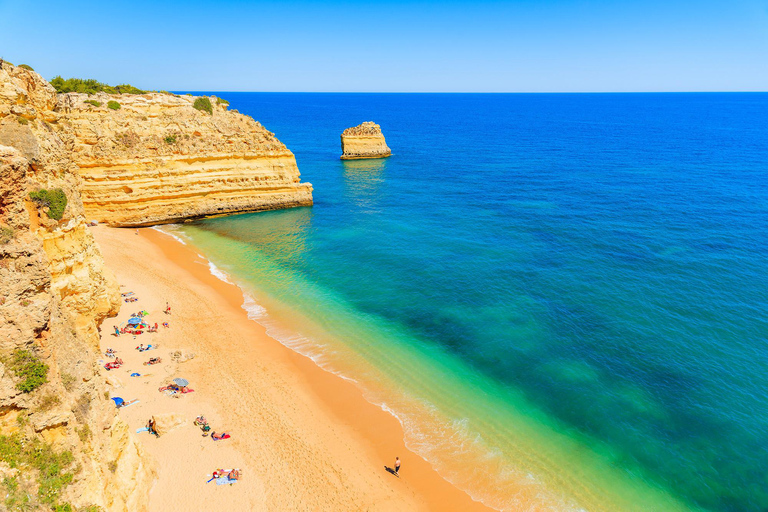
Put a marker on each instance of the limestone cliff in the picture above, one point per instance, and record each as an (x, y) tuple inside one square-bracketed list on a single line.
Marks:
[(54, 293), (363, 141), (157, 159)]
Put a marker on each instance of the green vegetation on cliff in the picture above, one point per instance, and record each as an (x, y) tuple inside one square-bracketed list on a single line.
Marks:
[(203, 104), (55, 199), (113, 105), (26, 366), (91, 86), (51, 472), (6, 234)]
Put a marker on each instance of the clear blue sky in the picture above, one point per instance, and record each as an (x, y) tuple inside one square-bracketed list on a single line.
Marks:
[(483, 46)]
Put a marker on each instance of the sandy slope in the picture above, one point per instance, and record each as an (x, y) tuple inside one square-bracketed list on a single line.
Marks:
[(306, 439)]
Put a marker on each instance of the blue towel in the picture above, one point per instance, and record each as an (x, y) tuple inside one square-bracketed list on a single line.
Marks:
[(222, 480)]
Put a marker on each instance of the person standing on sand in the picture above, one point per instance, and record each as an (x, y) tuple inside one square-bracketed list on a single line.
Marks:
[(397, 466)]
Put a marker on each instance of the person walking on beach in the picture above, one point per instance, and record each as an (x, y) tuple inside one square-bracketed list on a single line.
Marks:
[(397, 466)]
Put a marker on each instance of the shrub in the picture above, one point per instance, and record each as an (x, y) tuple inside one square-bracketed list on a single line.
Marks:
[(91, 86), (221, 101), (84, 433), (113, 105), (48, 402), (203, 104), (6, 234), (55, 199), (171, 139), (22, 120), (82, 408), (68, 381), (26, 66), (93, 102), (33, 372), (112, 466)]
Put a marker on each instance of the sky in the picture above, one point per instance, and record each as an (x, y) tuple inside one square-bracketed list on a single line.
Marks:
[(396, 46)]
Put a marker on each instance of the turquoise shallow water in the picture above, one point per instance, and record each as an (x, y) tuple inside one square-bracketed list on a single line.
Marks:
[(561, 292)]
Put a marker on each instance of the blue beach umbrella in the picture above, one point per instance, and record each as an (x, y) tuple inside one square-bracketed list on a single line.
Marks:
[(134, 320), (181, 382), (118, 401)]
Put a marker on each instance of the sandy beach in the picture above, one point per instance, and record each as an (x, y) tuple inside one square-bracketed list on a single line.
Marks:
[(305, 439)]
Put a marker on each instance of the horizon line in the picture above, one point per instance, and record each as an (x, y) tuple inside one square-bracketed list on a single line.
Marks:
[(475, 92)]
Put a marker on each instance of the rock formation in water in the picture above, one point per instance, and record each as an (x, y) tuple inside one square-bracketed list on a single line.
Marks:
[(363, 141), (54, 293)]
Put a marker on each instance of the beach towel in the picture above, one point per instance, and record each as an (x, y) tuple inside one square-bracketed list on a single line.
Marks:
[(223, 480), (134, 374), (145, 429)]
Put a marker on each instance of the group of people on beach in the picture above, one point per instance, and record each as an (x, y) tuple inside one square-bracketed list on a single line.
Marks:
[(230, 476)]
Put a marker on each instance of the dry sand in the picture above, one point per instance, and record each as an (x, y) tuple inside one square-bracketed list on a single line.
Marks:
[(305, 438)]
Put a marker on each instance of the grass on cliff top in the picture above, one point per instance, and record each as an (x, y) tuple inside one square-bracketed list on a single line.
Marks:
[(203, 104), (52, 470), (28, 367), (91, 86), (26, 66), (55, 199)]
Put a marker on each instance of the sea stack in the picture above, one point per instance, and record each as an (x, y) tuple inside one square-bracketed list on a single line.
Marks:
[(363, 141)]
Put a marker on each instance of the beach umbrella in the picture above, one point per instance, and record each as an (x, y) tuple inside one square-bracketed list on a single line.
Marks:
[(134, 320), (118, 401), (181, 382)]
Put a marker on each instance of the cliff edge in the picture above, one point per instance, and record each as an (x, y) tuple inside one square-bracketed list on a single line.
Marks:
[(158, 158), (62, 442), (363, 141)]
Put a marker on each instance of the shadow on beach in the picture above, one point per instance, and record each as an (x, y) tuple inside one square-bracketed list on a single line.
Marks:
[(390, 470)]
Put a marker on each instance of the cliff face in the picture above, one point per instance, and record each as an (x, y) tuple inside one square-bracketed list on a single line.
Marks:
[(54, 293), (157, 159), (364, 141)]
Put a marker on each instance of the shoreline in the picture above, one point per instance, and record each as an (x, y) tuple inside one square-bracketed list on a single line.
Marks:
[(344, 441)]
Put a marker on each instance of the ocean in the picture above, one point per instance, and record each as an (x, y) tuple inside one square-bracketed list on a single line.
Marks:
[(562, 297)]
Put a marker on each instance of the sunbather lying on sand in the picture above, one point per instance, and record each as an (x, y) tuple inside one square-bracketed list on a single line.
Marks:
[(231, 474), (219, 437), (153, 360), (117, 363), (176, 388)]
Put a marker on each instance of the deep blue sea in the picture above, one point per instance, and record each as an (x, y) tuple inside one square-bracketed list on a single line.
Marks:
[(561, 293)]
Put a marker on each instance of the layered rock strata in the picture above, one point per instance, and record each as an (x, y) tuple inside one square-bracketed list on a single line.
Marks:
[(157, 159), (363, 141), (54, 293)]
